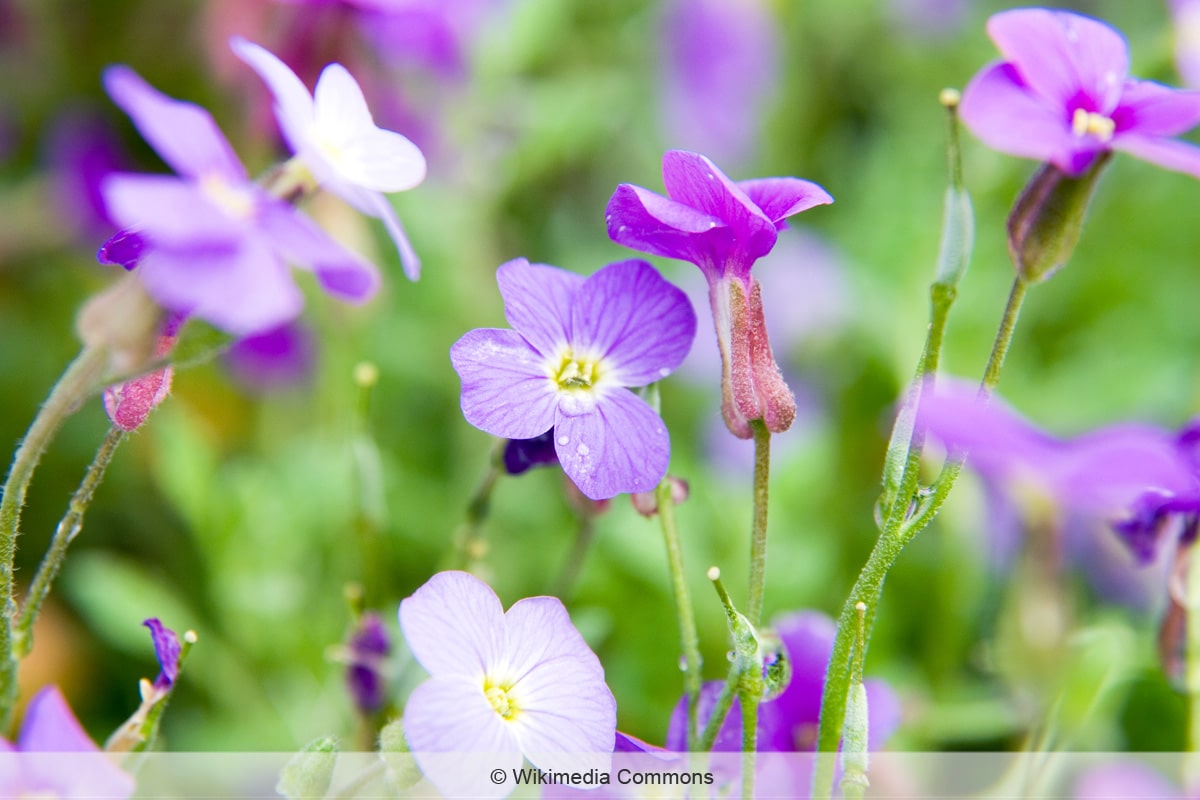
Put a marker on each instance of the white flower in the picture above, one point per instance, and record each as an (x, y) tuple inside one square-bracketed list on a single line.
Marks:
[(332, 132)]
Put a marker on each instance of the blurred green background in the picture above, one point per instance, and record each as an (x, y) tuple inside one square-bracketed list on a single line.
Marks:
[(241, 514)]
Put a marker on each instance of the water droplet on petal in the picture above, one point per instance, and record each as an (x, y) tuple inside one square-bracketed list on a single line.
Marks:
[(563, 439), (582, 449), (664, 372)]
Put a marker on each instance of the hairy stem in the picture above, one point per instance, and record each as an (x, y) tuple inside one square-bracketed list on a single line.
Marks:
[(683, 606), (758, 529)]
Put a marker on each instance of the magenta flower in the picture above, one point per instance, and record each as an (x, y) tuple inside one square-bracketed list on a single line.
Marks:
[(1063, 95), (502, 686), (577, 346), (722, 227), (215, 242), (1144, 480), (37, 766)]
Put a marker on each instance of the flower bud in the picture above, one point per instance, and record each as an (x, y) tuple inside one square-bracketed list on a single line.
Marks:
[(128, 404), (368, 647), (646, 503), (309, 773)]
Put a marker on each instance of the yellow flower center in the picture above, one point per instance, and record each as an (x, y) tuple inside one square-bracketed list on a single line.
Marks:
[(1098, 125), (501, 700), (234, 201), (576, 373)]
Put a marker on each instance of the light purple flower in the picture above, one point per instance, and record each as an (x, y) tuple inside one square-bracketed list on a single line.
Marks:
[(1141, 478), (216, 243), (1125, 780), (502, 685), (333, 133), (722, 227), (1063, 95), (577, 345), (273, 360), (37, 766), (1186, 17)]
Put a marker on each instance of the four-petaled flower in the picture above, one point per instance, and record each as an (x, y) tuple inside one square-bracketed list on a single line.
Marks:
[(215, 243), (577, 345), (722, 227), (1063, 95), (333, 133), (502, 686), (38, 766)]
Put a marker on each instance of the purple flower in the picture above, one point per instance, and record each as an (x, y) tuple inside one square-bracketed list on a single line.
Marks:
[(522, 455), (577, 345), (1186, 16), (1139, 477), (272, 360), (1125, 780), (505, 685), (167, 650), (216, 243), (368, 648), (36, 766), (722, 227), (1063, 95), (128, 404)]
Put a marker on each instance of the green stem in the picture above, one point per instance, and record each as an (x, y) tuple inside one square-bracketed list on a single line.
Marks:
[(749, 703), (77, 382), (1004, 336), (720, 709), (574, 563), (472, 545), (68, 528), (683, 606), (758, 530)]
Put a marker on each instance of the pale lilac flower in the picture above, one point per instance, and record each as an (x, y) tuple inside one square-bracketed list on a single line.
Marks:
[(502, 686), (1125, 780), (333, 133), (1186, 16), (273, 360), (38, 767), (1063, 95), (722, 227), (215, 242), (1143, 479), (577, 345)]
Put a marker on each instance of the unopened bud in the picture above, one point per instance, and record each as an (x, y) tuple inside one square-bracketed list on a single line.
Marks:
[(309, 773), (1046, 221), (646, 503), (128, 404)]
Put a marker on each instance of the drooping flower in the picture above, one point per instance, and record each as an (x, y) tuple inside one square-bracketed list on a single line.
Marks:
[(333, 133), (1144, 480), (1063, 95), (215, 243), (37, 766), (722, 227), (577, 346), (502, 685), (366, 651)]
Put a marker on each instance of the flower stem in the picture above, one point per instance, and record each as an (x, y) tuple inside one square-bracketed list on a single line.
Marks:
[(1004, 336), (749, 703), (68, 528), (574, 563), (720, 710), (758, 530), (471, 545), (683, 606), (77, 382)]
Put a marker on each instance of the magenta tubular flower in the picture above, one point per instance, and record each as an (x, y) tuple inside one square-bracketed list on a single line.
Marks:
[(577, 346), (1141, 478), (1063, 95), (39, 767), (722, 227), (502, 686), (215, 242)]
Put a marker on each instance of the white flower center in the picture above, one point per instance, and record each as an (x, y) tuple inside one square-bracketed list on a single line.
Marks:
[(1098, 125), (235, 201)]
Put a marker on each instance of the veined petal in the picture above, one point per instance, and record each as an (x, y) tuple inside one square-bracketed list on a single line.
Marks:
[(537, 303), (645, 221), (1069, 59), (457, 739), (293, 103), (454, 626), (1167, 153), (507, 390), (999, 108), (1151, 109), (640, 326), (780, 198), (183, 134), (693, 180), (298, 239), (170, 211), (622, 446)]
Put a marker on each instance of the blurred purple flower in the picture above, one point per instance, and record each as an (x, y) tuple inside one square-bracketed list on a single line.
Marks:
[(510, 685), (522, 455), (124, 248), (930, 19), (368, 647), (577, 345), (1125, 780), (275, 359), (216, 242), (722, 227), (82, 150), (1186, 17), (36, 768), (1063, 95), (1141, 478), (719, 69)]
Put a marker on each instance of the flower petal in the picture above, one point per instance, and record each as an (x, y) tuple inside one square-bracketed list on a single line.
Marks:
[(780, 198), (124, 248), (382, 208), (1071, 60), (293, 103), (507, 390), (169, 211), (537, 303), (183, 134), (51, 727), (1151, 109), (298, 239), (636, 323), (1167, 153), (457, 739), (1124, 779), (645, 221), (454, 625), (167, 650), (622, 446)]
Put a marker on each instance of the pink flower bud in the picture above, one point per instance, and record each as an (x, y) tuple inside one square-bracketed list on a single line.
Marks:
[(128, 404)]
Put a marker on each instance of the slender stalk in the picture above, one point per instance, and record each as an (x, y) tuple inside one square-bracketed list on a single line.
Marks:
[(683, 607), (68, 528), (1004, 336), (720, 710), (76, 383), (758, 530), (471, 544), (749, 702), (574, 563)]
